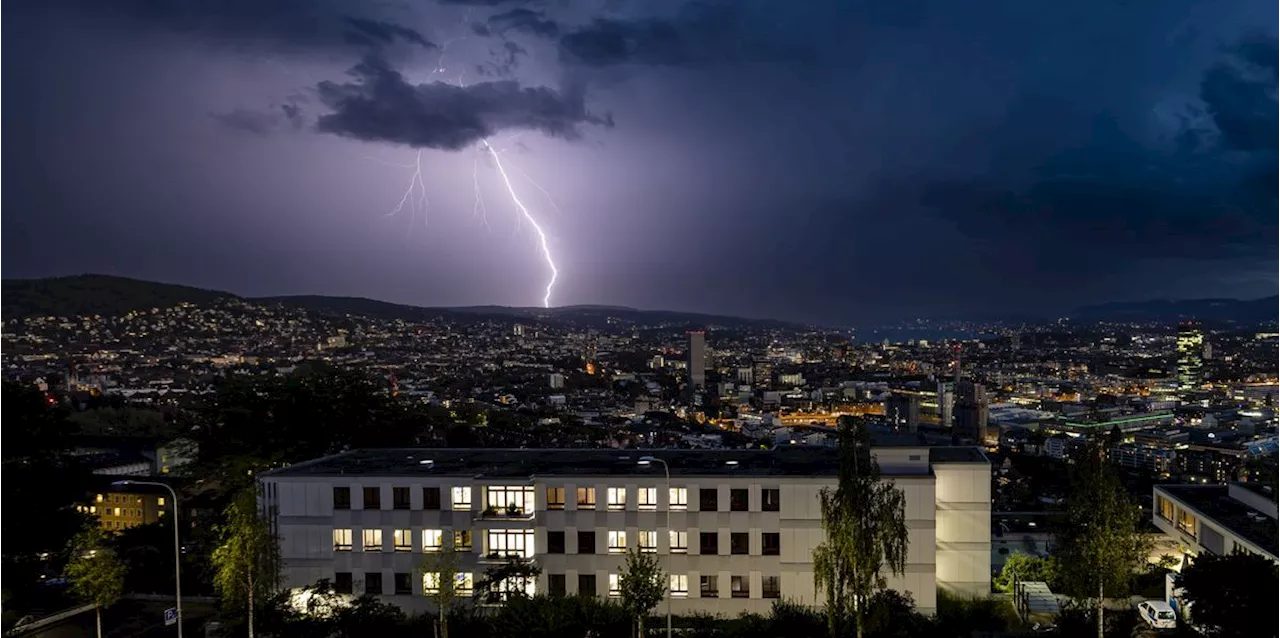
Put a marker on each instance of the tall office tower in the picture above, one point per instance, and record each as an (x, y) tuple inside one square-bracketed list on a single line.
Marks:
[(762, 373), (697, 359), (1190, 350), (517, 330), (1208, 351), (902, 410), (946, 401), (969, 415), (1015, 341)]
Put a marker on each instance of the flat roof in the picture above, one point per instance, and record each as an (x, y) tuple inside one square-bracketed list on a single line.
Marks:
[(1214, 503), (797, 460), (1121, 421)]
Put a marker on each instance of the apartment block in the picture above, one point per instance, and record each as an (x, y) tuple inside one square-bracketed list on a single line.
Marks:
[(733, 529), (1219, 519)]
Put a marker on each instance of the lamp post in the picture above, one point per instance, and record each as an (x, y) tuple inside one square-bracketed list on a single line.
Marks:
[(646, 460), (177, 547)]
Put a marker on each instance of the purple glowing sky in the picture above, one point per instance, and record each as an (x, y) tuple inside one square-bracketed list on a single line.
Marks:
[(827, 160)]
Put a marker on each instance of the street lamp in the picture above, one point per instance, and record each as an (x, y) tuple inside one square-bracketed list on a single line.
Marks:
[(177, 547), (646, 460)]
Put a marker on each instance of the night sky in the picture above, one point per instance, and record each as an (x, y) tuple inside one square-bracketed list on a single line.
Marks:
[(822, 160)]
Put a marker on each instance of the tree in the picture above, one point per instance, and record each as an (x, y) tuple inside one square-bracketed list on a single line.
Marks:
[(864, 522), (96, 573), (641, 585), (1101, 543), (247, 560), (439, 572), (1023, 567), (1227, 592)]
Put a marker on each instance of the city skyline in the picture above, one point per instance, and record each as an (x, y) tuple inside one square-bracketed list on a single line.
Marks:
[(830, 164)]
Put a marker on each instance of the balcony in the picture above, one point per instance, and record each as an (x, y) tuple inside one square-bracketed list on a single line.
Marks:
[(508, 513)]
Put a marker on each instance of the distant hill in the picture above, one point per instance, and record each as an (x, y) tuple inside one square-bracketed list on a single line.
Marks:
[(94, 295), (107, 295), (1213, 310)]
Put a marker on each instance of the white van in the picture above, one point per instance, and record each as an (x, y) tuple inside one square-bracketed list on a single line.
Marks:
[(1157, 614)]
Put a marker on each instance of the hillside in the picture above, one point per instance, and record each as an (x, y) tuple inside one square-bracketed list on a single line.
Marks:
[(1164, 310), (94, 295)]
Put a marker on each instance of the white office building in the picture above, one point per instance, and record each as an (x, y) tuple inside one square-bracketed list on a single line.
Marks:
[(1218, 519), (733, 529)]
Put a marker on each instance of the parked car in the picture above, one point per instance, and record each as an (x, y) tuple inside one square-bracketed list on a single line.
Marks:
[(1157, 614)]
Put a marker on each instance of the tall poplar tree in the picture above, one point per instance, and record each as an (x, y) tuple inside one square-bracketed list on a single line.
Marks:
[(864, 522)]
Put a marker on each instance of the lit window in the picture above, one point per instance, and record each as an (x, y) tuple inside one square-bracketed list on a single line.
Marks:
[(342, 540), (463, 583), (617, 498), (679, 497), (555, 498), (462, 540), (431, 582), (615, 588), (160, 501), (372, 540), (99, 498), (679, 585), (648, 542), (617, 542), (509, 500), (461, 498), (647, 498), (507, 543), (679, 542), (432, 540), (402, 539), (586, 498)]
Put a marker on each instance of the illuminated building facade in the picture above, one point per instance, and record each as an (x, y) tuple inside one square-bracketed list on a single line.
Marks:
[(1190, 357), (118, 511), (697, 359)]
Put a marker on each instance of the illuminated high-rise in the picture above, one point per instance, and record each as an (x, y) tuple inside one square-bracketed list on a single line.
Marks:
[(1190, 362)]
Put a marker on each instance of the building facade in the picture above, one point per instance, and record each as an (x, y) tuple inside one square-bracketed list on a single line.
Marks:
[(1190, 352), (1218, 519), (697, 363), (734, 529)]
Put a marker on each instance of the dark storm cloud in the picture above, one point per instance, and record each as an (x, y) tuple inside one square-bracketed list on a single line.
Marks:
[(502, 60), (381, 106), (377, 32), (523, 20), (701, 33), (276, 24), (1240, 93), (249, 121)]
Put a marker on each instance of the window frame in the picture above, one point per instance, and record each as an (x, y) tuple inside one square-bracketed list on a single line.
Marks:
[(555, 498), (678, 585), (616, 541), (430, 534), (376, 500), (647, 499), (770, 505), (460, 534), (366, 534), (708, 495), (340, 533), (343, 503), (373, 577), (402, 578), (709, 586), (616, 498), (591, 534), (460, 495), (764, 544), (586, 498), (398, 503), (774, 592), (739, 499), (677, 542), (714, 545), (556, 547), (515, 542), (739, 541), (678, 498), (431, 498), (402, 540), (652, 535)]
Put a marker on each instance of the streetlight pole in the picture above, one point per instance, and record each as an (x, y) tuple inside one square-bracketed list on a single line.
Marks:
[(177, 546), (667, 471)]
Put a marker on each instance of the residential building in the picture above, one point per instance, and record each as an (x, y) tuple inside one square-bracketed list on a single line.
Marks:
[(902, 411), (1218, 519), (742, 523), (125, 510)]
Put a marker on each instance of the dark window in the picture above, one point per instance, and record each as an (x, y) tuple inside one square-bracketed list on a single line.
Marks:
[(430, 498), (556, 584), (771, 543), (373, 582), (772, 587), (739, 543), (738, 500), (707, 587), (770, 500), (739, 587), (400, 498), (342, 582), (404, 583), (587, 543), (342, 498), (586, 584), (707, 500), (709, 543), (372, 498), (555, 542)]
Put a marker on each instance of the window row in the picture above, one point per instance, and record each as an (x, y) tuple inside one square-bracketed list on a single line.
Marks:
[(505, 543), (520, 499), (557, 585)]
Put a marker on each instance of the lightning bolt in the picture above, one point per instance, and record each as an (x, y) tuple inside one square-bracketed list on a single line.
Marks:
[(524, 212)]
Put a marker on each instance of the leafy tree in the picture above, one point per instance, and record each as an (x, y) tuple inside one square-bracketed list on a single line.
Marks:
[(1023, 567), (864, 521), (443, 565), (1101, 543), (1227, 593), (96, 573), (504, 580), (555, 617), (642, 585), (247, 560)]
